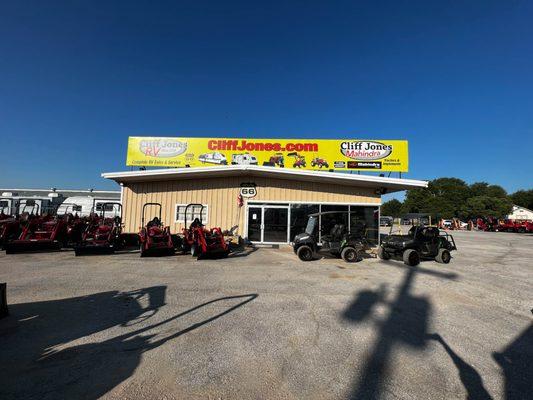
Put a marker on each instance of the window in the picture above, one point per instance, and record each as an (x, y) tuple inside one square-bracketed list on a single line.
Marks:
[(108, 207), (299, 217), (76, 208), (192, 213)]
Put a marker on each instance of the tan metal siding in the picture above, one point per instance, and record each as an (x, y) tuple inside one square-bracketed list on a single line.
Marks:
[(220, 194)]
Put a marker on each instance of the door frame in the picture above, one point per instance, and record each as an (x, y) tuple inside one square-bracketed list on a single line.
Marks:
[(262, 227)]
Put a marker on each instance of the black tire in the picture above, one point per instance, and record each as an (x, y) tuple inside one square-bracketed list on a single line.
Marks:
[(195, 250), (411, 257), (143, 252), (305, 253), (326, 165), (382, 254), (443, 256), (349, 254)]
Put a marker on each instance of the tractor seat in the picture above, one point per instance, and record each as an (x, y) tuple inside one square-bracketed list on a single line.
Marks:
[(155, 231)]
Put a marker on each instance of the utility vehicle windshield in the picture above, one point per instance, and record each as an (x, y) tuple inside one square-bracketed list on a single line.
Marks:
[(311, 225)]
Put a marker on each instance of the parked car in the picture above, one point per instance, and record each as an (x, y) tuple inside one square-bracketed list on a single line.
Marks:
[(385, 221)]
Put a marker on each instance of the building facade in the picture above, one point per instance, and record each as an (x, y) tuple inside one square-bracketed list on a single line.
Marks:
[(263, 204)]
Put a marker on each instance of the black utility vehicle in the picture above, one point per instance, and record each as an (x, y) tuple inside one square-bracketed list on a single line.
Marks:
[(338, 242), (422, 242)]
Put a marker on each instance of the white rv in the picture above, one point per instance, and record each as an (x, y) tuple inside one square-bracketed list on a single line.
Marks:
[(85, 205), (243, 159), (213, 158)]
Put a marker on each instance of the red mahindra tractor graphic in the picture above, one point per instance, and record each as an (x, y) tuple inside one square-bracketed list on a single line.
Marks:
[(319, 162)]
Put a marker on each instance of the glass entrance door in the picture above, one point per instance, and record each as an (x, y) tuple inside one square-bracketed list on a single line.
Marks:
[(275, 224), (255, 218), (268, 224)]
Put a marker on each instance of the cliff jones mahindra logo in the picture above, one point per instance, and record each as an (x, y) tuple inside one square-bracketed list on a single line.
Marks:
[(162, 147), (365, 150)]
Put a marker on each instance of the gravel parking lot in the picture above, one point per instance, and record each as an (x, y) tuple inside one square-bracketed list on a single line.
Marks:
[(263, 325)]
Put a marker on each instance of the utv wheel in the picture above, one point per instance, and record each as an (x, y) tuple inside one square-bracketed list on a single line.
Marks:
[(411, 257), (305, 253), (443, 257), (349, 254), (382, 254)]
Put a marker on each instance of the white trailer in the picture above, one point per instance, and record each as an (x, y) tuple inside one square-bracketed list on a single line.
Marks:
[(85, 205), (243, 159), (213, 158)]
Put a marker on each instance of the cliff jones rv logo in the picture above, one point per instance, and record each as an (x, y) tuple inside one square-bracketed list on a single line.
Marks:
[(162, 147), (365, 150)]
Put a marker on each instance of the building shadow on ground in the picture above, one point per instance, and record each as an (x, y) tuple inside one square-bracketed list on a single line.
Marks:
[(38, 361), (404, 325)]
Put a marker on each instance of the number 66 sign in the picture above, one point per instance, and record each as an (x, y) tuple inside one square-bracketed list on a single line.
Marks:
[(248, 190)]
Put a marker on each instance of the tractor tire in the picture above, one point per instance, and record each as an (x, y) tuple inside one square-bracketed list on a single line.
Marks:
[(143, 252), (305, 253), (195, 250), (326, 165), (411, 257), (349, 254), (443, 256), (382, 254)]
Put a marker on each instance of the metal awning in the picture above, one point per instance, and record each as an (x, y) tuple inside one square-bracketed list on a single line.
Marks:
[(385, 185)]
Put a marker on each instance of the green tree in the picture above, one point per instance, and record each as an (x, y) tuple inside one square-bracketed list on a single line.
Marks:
[(523, 198), (477, 206), (443, 198), (484, 189), (392, 208)]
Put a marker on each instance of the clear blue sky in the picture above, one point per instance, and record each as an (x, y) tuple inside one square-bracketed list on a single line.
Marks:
[(78, 77)]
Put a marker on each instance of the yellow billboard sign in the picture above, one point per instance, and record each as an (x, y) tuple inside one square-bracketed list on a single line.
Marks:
[(311, 154)]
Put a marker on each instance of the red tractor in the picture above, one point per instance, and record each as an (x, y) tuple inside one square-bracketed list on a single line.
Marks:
[(155, 238), (40, 233), (11, 226), (299, 160), (9, 229), (486, 224), (276, 159), (319, 162), (203, 242), (505, 226), (102, 234)]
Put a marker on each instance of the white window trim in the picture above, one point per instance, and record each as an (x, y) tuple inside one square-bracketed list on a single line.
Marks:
[(181, 221)]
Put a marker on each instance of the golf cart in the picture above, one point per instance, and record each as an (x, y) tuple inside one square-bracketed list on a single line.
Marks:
[(422, 242), (155, 238), (338, 242)]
